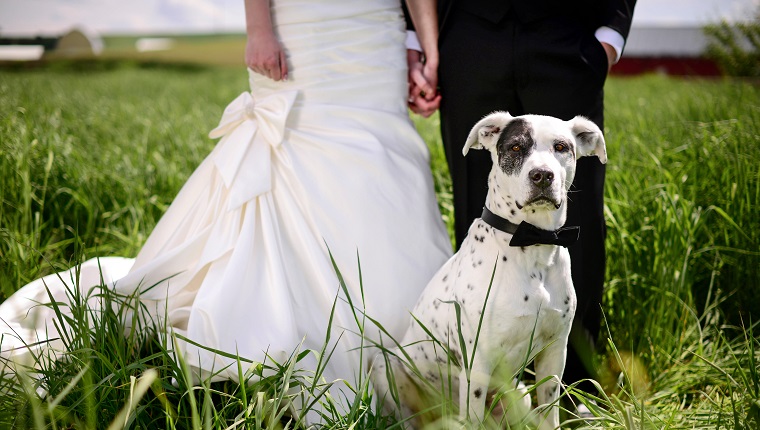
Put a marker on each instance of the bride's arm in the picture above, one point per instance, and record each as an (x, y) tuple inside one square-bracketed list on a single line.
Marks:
[(263, 52), (423, 72)]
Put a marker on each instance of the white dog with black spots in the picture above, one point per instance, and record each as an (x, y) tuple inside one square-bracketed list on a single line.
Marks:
[(496, 306)]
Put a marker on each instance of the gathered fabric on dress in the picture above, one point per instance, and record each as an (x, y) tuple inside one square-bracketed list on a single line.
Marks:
[(325, 164)]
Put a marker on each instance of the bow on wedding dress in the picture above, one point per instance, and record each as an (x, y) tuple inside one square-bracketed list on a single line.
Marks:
[(250, 129)]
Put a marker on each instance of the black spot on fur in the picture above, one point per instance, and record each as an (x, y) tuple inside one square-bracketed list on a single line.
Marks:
[(478, 393), (514, 145), (525, 298), (445, 278), (504, 258)]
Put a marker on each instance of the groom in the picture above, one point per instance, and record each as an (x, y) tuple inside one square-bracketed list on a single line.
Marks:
[(547, 57)]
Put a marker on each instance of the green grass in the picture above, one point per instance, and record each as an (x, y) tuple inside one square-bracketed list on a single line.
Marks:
[(202, 49), (98, 156), (682, 206), (90, 160)]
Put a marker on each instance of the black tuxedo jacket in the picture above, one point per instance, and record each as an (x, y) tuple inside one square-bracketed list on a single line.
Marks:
[(616, 14)]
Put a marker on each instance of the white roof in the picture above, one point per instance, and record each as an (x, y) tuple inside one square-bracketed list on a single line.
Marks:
[(21, 52), (665, 41)]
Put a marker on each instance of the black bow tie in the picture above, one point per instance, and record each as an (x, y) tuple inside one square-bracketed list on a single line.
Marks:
[(527, 234)]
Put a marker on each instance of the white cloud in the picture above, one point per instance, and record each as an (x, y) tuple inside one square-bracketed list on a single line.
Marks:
[(695, 12), (120, 16), (157, 16)]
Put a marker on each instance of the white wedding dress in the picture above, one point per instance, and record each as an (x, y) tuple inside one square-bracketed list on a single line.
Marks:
[(326, 162)]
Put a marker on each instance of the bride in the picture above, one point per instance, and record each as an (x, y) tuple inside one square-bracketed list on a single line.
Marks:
[(318, 161)]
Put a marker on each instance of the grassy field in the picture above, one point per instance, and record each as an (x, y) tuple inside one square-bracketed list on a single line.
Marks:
[(90, 160)]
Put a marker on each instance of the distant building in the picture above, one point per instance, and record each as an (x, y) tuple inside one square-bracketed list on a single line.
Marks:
[(149, 44), (666, 50), (76, 43)]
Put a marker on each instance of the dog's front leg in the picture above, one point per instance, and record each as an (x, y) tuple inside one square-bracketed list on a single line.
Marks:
[(473, 390), (551, 362)]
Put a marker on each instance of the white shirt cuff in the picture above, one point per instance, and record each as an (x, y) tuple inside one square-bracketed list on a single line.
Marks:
[(412, 42), (611, 37)]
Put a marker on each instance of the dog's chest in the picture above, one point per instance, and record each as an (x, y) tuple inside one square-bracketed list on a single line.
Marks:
[(530, 307), (531, 290), (530, 304)]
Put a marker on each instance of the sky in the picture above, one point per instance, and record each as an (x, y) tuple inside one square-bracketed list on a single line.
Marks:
[(50, 17)]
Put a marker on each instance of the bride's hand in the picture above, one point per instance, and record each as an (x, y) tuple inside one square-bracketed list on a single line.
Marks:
[(424, 98), (264, 55)]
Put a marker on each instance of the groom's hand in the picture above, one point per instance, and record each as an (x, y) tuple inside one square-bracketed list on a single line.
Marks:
[(611, 55)]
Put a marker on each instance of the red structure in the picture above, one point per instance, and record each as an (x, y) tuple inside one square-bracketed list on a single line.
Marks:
[(675, 66), (670, 50)]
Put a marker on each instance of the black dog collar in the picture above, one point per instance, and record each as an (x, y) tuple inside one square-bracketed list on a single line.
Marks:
[(527, 234)]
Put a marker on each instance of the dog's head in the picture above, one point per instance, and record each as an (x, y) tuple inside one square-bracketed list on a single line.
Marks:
[(534, 162)]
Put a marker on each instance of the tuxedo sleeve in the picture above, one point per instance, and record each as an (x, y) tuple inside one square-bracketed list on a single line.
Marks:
[(619, 16)]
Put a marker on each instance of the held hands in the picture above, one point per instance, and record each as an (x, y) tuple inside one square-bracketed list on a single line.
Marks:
[(424, 98), (264, 55)]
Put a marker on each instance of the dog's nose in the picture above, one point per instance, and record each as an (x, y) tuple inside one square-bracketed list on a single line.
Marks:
[(542, 178)]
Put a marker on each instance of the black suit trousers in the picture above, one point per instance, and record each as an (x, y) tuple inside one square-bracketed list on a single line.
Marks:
[(554, 67)]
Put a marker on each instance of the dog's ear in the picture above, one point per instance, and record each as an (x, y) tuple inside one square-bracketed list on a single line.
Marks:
[(486, 132), (589, 139)]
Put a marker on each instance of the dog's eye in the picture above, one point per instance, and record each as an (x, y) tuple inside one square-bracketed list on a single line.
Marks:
[(515, 148), (560, 147)]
